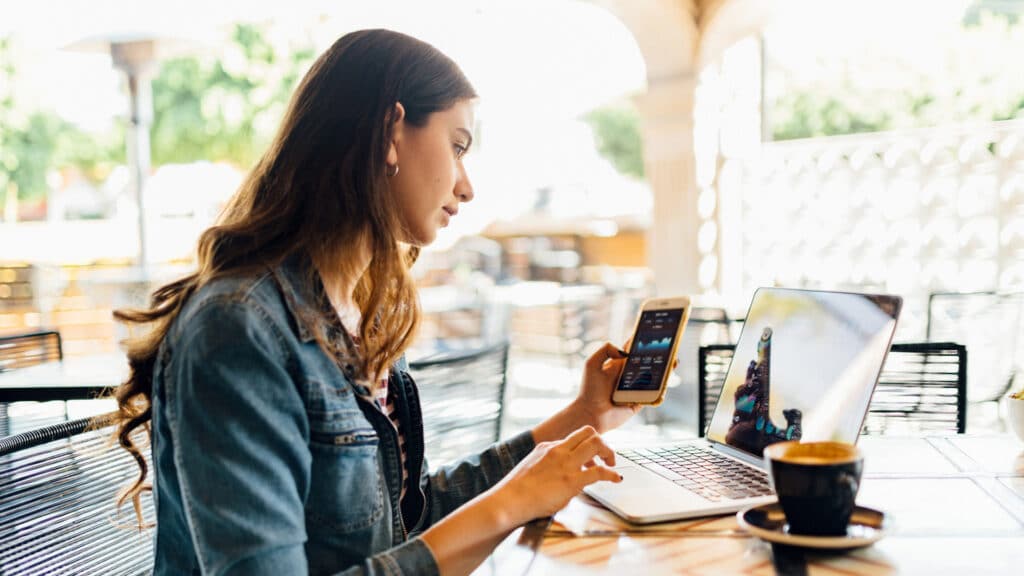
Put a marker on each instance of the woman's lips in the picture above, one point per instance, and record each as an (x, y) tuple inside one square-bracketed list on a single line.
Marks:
[(448, 215)]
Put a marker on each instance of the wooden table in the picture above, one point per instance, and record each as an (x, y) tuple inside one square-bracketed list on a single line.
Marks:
[(957, 506), (74, 378)]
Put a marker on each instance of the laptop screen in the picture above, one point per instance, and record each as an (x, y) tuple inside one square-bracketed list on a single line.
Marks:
[(804, 368)]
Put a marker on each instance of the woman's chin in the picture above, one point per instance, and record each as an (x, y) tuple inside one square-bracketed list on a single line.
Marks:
[(422, 239)]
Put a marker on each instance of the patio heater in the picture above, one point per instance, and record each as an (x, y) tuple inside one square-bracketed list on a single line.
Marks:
[(136, 59), (135, 54)]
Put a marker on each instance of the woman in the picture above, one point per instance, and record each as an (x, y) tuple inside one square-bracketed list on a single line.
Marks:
[(286, 432)]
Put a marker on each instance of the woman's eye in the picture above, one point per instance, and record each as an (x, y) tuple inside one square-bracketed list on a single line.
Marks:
[(460, 150)]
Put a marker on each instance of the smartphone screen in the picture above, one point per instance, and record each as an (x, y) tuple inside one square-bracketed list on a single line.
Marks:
[(652, 348)]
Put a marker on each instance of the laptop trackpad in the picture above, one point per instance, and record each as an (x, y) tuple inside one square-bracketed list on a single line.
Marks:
[(642, 494)]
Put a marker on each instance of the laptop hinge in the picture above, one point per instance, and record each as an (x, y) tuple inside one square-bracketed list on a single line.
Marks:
[(738, 454)]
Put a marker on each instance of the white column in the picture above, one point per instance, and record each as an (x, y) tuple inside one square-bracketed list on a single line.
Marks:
[(666, 110)]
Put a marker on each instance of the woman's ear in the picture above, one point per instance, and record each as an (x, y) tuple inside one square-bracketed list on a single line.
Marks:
[(398, 127)]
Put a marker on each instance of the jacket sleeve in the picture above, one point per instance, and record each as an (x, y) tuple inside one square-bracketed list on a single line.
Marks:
[(452, 486), (240, 438)]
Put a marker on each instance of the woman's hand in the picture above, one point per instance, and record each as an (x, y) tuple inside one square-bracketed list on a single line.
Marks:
[(540, 485), (593, 406), (594, 402), (544, 482)]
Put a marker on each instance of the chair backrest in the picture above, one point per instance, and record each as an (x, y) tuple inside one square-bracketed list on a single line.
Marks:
[(29, 348), (22, 350), (462, 393), (989, 324), (28, 416), (58, 488), (706, 326), (712, 367), (922, 388)]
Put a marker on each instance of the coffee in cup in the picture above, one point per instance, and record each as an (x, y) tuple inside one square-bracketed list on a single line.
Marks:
[(816, 483)]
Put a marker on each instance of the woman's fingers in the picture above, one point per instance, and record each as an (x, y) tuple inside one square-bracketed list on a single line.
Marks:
[(598, 473), (576, 438), (594, 446), (584, 444), (602, 355)]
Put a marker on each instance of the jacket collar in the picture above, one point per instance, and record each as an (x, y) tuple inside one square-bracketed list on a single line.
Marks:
[(307, 303), (304, 295)]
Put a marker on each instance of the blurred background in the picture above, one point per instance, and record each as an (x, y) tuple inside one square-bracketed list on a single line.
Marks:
[(623, 149)]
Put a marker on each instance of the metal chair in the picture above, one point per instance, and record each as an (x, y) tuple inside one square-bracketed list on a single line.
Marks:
[(989, 324), (712, 367), (29, 348), (58, 513), (26, 349), (462, 394), (922, 388)]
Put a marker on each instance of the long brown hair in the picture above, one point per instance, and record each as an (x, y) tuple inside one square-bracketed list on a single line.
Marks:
[(319, 188)]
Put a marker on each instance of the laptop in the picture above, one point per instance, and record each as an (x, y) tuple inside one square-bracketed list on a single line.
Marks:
[(804, 368)]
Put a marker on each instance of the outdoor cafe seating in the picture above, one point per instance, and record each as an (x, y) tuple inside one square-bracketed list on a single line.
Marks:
[(463, 395), (58, 486), (22, 350), (59, 480), (30, 348)]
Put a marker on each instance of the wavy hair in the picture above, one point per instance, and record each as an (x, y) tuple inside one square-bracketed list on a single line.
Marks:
[(320, 187)]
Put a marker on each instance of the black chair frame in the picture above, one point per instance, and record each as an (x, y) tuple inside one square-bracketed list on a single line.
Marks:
[(48, 340), (453, 361), (704, 410), (58, 512)]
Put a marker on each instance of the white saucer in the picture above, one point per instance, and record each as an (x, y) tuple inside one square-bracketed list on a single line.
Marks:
[(768, 523)]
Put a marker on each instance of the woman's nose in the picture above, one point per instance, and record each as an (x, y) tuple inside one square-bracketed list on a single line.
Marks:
[(464, 188)]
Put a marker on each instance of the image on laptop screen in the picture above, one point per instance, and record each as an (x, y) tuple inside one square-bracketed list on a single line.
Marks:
[(804, 368)]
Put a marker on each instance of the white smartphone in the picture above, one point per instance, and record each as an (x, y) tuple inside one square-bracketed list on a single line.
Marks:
[(659, 327)]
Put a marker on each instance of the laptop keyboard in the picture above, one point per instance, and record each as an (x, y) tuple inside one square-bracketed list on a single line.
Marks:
[(707, 473)]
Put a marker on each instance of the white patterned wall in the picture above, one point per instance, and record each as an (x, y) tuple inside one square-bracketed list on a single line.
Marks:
[(907, 212)]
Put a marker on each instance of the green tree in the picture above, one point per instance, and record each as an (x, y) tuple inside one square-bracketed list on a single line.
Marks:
[(617, 134), (35, 142), (221, 109), (873, 92), (27, 142), (808, 115), (94, 154), (30, 148), (224, 109)]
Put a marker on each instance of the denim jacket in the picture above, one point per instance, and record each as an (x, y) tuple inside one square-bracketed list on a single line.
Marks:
[(270, 459)]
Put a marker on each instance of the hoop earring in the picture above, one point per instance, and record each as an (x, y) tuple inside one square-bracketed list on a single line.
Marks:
[(391, 171)]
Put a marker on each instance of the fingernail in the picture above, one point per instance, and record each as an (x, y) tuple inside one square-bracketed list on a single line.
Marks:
[(620, 477)]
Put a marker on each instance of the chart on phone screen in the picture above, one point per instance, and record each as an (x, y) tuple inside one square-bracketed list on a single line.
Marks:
[(652, 347)]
